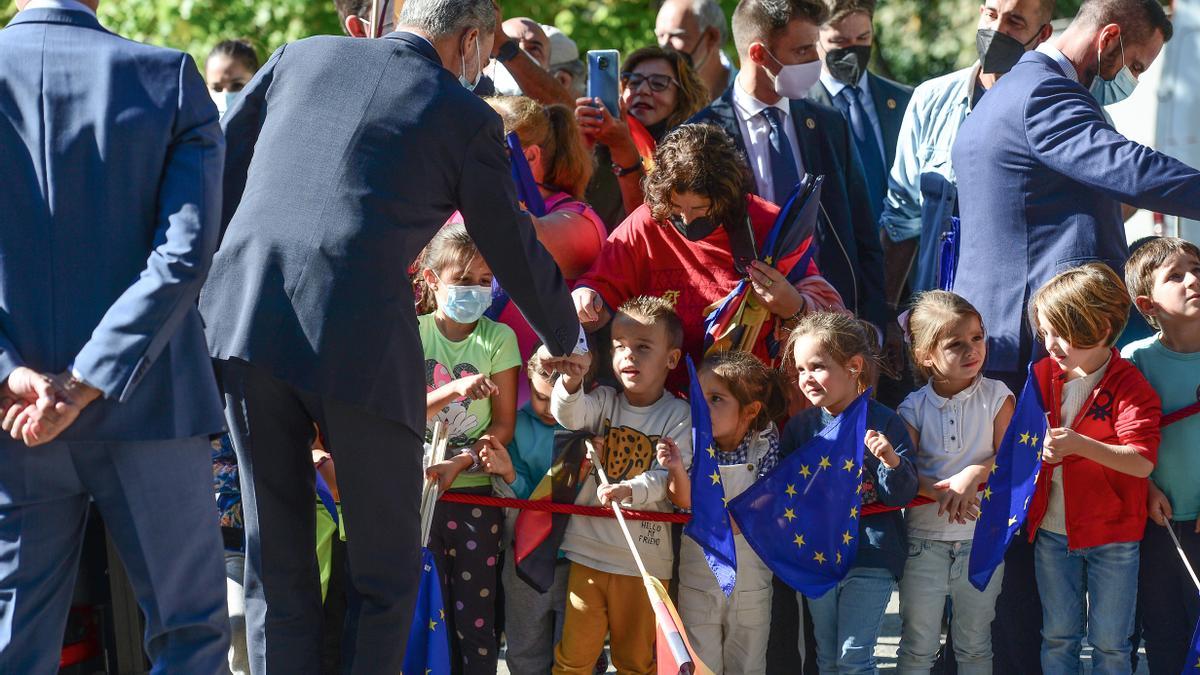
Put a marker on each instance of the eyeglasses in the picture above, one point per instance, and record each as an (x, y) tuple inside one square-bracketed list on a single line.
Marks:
[(656, 82)]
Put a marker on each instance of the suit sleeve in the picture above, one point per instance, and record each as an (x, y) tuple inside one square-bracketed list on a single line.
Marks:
[(864, 219), (241, 125), (135, 329), (1067, 132), (505, 236)]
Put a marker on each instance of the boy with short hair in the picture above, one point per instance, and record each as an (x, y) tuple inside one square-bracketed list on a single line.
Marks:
[(605, 591), (1163, 277)]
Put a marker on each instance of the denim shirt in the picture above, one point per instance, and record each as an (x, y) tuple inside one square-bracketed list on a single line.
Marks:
[(921, 193)]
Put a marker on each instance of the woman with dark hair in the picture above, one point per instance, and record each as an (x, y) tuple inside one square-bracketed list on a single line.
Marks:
[(682, 244), (660, 91), (227, 70)]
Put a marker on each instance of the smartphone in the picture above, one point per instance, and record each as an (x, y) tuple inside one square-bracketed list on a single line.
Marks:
[(604, 72)]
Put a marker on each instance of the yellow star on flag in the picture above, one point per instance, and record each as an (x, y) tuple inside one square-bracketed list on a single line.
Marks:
[(1034, 441), (1024, 438), (791, 490), (716, 477), (789, 514), (804, 471), (712, 452), (849, 465), (839, 558), (819, 557), (799, 540), (1012, 521), (995, 466), (824, 463), (846, 537), (987, 493), (853, 511), (432, 625)]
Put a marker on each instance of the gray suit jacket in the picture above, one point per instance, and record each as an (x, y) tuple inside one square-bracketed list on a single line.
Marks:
[(345, 157), (111, 161)]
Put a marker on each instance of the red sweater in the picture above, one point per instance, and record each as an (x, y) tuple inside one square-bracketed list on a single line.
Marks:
[(1102, 506), (646, 257)]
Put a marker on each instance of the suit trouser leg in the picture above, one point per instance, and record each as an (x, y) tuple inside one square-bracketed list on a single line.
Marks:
[(379, 477), (272, 431), (157, 502), (43, 510)]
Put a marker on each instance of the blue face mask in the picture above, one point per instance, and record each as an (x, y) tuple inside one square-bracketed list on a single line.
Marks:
[(1108, 92), (462, 69), (466, 304)]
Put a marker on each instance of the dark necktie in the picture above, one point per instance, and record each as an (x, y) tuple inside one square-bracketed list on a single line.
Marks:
[(784, 174), (850, 104)]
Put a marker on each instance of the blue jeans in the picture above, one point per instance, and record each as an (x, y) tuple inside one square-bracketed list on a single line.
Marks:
[(847, 619), (935, 570), (1088, 590)]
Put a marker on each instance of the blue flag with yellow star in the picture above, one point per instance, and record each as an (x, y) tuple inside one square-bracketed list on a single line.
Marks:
[(1192, 664), (709, 526), (428, 651), (1006, 497), (802, 518)]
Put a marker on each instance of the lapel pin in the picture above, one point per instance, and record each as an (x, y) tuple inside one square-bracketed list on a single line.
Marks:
[(810, 123), (891, 104)]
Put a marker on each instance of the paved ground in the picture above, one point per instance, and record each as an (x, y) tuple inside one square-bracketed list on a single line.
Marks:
[(889, 642)]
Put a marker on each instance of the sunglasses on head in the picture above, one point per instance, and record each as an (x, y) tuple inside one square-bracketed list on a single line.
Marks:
[(656, 82)]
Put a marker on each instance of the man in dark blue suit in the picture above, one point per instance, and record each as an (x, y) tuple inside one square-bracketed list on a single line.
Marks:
[(1042, 174), (784, 135), (345, 157), (872, 105), (111, 194)]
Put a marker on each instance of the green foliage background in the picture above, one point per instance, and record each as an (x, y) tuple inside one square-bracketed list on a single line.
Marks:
[(917, 39)]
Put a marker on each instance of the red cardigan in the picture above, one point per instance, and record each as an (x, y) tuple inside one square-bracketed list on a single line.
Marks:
[(1103, 506), (646, 257)]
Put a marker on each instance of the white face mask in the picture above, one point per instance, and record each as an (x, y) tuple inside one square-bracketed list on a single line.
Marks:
[(462, 68), (794, 81), (224, 101)]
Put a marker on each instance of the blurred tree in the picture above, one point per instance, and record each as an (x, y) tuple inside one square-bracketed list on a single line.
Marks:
[(918, 39)]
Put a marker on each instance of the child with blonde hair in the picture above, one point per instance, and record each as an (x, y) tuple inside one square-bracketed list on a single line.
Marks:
[(1088, 513), (957, 420), (836, 358)]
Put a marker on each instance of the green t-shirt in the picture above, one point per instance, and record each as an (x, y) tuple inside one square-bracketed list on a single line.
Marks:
[(1176, 378), (491, 348)]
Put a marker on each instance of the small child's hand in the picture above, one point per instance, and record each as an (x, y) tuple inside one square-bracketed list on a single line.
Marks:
[(613, 492), (668, 455), (1158, 507), (446, 471), (958, 497), (476, 387), (1061, 442), (879, 446), (497, 461)]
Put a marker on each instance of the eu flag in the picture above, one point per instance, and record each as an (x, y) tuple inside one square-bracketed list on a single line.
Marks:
[(709, 525), (802, 518), (1192, 664), (1011, 485), (428, 651)]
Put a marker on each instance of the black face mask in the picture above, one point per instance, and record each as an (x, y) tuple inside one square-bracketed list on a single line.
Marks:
[(741, 240), (696, 230), (999, 52), (847, 64)]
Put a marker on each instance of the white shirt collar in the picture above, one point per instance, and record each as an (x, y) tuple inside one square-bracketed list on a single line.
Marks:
[(1064, 64), (940, 401), (72, 5), (835, 86), (748, 106)]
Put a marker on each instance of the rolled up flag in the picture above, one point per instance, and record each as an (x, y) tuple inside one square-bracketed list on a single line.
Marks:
[(709, 526)]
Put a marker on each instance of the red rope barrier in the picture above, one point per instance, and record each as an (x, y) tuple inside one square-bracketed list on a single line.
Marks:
[(601, 512)]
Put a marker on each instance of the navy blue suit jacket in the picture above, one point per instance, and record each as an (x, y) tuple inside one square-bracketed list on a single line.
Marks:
[(111, 155), (850, 255), (345, 157), (1041, 177), (891, 100)]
